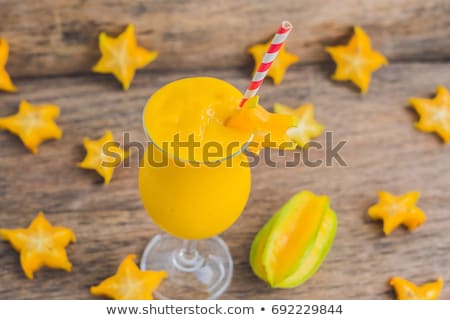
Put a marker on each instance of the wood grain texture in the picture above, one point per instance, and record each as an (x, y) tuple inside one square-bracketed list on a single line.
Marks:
[(60, 37), (383, 151)]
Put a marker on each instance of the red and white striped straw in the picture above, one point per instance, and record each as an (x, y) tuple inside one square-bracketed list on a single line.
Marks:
[(271, 54)]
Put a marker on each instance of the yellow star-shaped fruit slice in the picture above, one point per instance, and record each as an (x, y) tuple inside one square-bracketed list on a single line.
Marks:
[(103, 155), (129, 282), (434, 113), (279, 65), (407, 290), (41, 244), (121, 56), (307, 127), (395, 211), (268, 129), (357, 60), (6, 83), (33, 124)]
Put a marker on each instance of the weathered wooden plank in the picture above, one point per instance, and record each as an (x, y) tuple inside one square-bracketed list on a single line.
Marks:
[(59, 37), (383, 151)]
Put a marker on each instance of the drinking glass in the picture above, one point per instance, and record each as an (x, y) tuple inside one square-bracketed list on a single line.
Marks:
[(192, 201)]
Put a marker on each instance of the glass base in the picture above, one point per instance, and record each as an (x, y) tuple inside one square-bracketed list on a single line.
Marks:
[(203, 273)]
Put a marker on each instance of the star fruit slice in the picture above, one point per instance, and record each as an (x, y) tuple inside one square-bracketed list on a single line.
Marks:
[(269, 129)]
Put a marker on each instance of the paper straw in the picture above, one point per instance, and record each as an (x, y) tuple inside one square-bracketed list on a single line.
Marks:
[(271, 54)]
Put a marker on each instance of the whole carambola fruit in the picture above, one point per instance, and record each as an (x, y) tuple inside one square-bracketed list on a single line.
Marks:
[(292, 245)]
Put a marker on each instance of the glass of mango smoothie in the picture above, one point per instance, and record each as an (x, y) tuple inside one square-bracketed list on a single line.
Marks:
[(194, 183), (195, 179)]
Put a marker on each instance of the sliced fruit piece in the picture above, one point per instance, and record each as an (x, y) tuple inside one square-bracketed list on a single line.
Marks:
[(356, 61), (434, 113), (398, 210), (129, 282), (41, 244), (33, 124), (253, 118), (6, 83), (121, 56), (298, 112), (406, 290), (280, 64), (307, 127)]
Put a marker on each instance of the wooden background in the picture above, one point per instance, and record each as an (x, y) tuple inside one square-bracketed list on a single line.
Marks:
[(53, 46)]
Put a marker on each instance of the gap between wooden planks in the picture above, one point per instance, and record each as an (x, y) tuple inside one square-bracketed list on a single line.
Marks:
[(60, 36)]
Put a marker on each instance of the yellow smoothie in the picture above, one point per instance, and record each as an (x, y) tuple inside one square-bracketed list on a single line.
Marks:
[(184, 195)]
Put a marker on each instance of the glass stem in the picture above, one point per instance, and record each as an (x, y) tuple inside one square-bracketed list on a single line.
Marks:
[(188, 258), (189, 248)]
